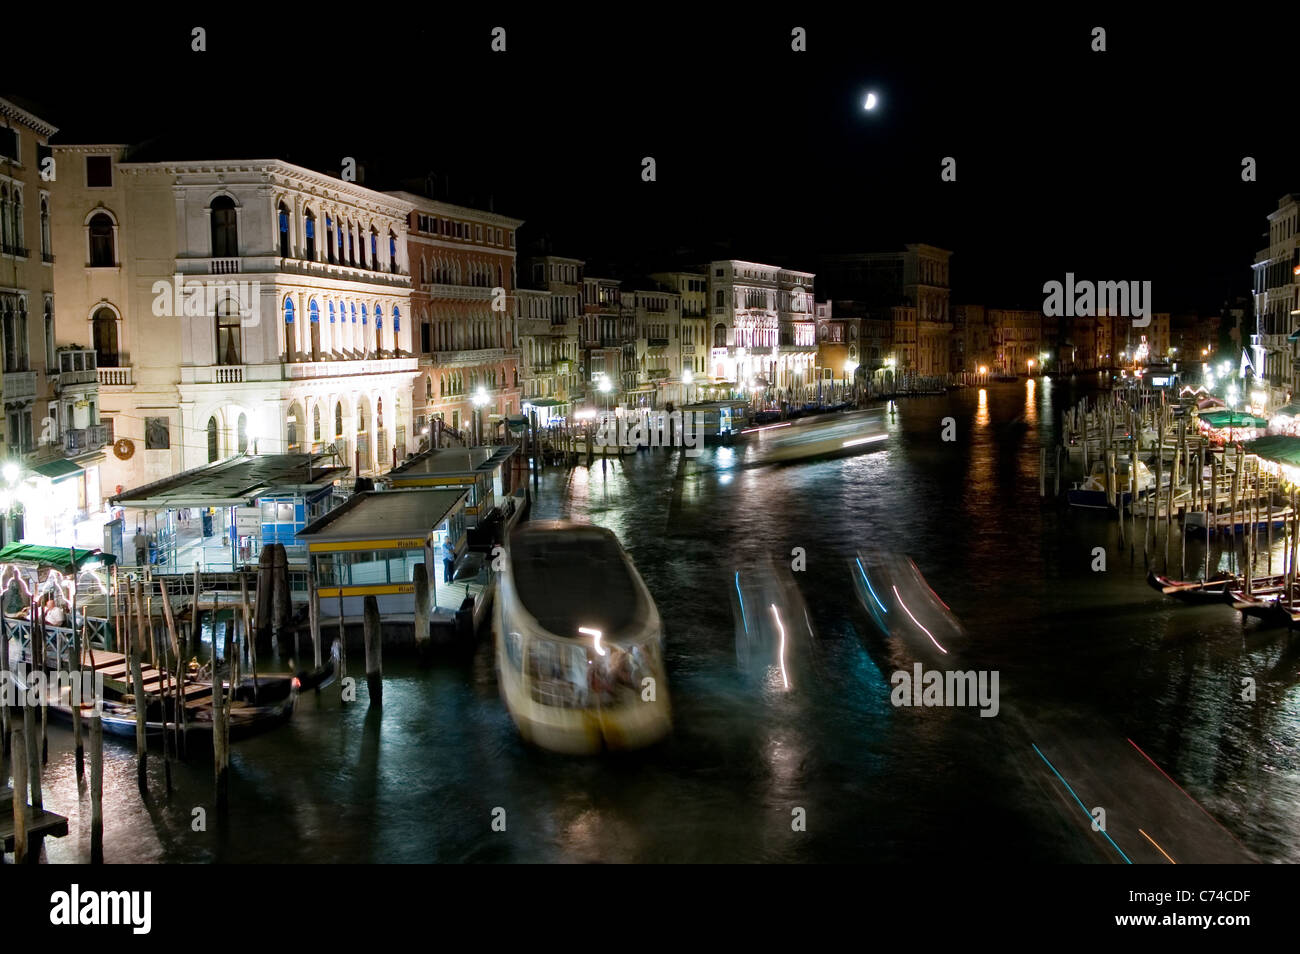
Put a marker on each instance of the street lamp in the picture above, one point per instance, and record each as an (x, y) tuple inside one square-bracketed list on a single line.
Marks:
[(1030, 365)]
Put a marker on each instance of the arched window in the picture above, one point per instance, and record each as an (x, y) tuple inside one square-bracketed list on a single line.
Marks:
[(284, 231), (379, 328), (104, 337), (291, 429), (361, 417), (397, 328), (392, 252), (379, 414), (719, 335), (313, 311), (51, 358), (47, 250), (102, 253), (241, 435), (374, 249), (352, 249), (428, 388), (329, 239), (338, 419), (424, 273), (213, 450), (315, 423), (289, 326), (225, 229), (310, 228), (229, 349)]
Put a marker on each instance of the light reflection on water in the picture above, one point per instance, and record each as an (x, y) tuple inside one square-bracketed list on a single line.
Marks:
[(1100, 654)]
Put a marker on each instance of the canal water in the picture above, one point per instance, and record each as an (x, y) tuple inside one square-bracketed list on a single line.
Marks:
[(1092, 664)]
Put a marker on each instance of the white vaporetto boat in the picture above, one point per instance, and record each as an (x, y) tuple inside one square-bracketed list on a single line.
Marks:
[(579, 644)]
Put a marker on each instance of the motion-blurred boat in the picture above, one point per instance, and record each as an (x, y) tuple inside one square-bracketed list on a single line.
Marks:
[(773, 631), (579, 644), (902, 605), (836, 437)]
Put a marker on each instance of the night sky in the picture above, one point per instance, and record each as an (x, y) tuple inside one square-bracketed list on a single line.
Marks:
[(1124, 165)]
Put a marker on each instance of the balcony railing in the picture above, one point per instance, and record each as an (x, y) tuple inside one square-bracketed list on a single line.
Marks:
[(76, 367), (114, 376), (223, 266), (452, 359), (83, 440), (47, 257), (294, 371), (11, 249), (656, 342)]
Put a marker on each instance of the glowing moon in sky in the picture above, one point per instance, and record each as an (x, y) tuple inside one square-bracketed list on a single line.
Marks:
[(871, 101)]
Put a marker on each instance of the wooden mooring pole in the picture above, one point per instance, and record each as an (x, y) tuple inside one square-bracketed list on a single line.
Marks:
[(374, 652)]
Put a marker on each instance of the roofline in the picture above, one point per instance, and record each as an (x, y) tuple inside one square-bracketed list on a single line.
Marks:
[(265, 167), (425, 204), (317, 526), (30, 120)]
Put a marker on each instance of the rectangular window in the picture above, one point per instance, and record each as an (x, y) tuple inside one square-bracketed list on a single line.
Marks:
[(99, 172), (9, 143), (157, 433)]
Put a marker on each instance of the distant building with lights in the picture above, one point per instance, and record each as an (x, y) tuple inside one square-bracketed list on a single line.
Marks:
[(1275, 346), (763, 328), (466, 338)]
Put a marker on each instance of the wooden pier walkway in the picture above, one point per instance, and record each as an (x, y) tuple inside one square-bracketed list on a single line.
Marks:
[(40, 824)]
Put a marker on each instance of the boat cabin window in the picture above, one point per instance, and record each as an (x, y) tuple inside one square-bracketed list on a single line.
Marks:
[(558, 673)]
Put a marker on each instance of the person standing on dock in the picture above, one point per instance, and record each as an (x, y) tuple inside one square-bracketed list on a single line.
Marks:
[(141, 546), (448, 561)]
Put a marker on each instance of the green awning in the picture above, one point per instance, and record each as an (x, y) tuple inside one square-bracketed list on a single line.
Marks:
[(60, 558), (57, 470), (1277, 447), (1225, 419), (1294, 336)]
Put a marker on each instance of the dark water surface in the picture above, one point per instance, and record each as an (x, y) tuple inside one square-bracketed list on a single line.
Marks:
[(1087, 660)]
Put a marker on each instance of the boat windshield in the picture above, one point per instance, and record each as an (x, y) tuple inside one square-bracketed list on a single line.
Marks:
[(575, 579)]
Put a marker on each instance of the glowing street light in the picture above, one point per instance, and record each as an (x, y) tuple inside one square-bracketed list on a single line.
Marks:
[(984, 369), (870, 102), (11, 472)]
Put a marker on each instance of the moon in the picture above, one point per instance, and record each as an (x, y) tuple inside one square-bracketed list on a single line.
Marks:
[(871, 101)]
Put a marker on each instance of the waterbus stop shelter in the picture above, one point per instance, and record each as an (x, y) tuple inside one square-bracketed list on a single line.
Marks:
[(221, 515), (370, 545), (483, 471)]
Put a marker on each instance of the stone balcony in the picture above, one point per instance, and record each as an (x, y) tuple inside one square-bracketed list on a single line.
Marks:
[(295, 370), (462, 359), (76, 367), (257, 265), (115, 377), (84, 440)]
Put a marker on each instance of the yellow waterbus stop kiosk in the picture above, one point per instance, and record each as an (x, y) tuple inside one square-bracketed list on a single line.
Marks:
[(370, 546)]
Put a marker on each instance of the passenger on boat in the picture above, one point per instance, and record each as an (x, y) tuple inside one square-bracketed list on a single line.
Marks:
[(54, 614), (15, 601)]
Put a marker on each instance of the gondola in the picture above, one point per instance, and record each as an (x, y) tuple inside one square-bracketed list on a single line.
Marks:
[(1199, 591), (251, 712)]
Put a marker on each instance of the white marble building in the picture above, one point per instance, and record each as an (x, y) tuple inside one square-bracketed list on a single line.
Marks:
[(241, 306)]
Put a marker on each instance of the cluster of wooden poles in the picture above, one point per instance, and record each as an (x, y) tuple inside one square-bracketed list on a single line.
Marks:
[(1224, 486)]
